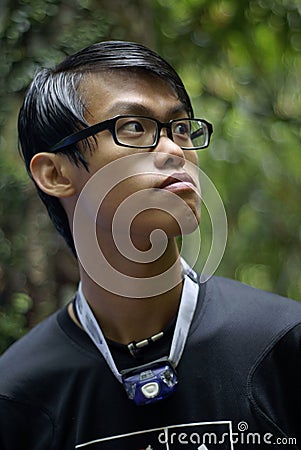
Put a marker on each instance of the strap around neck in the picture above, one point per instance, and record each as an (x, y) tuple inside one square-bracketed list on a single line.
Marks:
[(185, 315)]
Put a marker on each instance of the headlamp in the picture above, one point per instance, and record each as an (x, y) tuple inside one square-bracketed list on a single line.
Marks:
[(151, 382)]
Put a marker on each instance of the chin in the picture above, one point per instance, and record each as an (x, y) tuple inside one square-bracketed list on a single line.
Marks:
[(171, 226)]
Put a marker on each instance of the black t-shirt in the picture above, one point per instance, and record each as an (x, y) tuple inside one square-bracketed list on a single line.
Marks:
[(239, 382)]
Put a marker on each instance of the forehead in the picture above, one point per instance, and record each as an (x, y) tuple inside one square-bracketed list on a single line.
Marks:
[(127, 92)]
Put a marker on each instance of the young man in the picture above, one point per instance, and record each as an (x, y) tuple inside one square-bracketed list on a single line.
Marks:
[(145, 356)]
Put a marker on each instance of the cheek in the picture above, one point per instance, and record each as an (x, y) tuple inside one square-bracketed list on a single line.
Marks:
[(121, 203), (192, 167), (192, 157)]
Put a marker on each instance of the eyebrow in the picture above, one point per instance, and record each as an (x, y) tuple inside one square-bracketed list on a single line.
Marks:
[(138, 108)]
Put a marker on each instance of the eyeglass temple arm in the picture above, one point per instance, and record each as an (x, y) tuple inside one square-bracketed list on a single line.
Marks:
[(200, 131), (80, 135)]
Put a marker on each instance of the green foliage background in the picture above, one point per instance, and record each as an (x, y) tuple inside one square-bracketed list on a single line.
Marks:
[(240, 61)]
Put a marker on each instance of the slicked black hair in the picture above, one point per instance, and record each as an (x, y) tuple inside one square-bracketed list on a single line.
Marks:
[(53, 107)]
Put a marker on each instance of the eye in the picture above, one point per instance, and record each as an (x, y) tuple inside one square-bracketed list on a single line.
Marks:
[(132, 126), (182, 128)]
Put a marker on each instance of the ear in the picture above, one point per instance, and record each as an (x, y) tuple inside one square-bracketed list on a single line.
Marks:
[(53, 174)]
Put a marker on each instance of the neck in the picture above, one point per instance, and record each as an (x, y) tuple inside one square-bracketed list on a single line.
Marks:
[(134, 317)]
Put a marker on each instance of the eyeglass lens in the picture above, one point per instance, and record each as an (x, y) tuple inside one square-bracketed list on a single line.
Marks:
[(143, 132)]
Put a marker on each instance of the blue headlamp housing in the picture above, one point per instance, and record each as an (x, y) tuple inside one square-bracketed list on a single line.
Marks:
[(151, 382)]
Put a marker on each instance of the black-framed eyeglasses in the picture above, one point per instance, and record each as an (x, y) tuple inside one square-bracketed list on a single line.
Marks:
[(144, 132)]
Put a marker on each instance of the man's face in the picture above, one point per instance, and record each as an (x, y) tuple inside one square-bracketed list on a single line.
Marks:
[(159, 206)]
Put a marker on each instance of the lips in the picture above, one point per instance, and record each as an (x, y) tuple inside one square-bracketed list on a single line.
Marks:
[(177, 178)]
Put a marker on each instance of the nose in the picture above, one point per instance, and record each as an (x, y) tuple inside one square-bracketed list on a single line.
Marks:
[(168, 153)]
